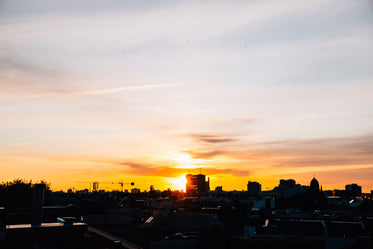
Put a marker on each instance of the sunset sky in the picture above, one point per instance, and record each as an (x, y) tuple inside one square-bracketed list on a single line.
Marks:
[(147, 91)]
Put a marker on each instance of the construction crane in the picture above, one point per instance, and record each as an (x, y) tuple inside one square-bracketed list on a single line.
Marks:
[(96, 184), (93, 186), (121, 183)]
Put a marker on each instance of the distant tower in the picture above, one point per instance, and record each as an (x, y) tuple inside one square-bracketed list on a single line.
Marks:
[(314, 185), (254, 187), (353, 189), (197, 184), (95, 186)]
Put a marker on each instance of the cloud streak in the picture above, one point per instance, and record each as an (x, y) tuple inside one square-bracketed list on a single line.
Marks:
[(128, 88), (98, 92), (205, 154), (139, 168), (330, 151), (212, 138)]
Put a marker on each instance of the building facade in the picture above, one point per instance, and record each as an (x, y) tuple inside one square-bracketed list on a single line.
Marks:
[(353, 189), (197, 184), (254, 187)]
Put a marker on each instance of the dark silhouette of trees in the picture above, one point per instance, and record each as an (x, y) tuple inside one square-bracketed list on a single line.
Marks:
[(18, 193), (17, 186)]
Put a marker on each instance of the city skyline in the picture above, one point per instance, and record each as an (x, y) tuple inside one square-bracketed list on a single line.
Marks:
[(181, 184), (149, 92)]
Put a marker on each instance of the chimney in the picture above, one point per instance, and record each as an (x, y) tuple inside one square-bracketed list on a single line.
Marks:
[(37, 204)]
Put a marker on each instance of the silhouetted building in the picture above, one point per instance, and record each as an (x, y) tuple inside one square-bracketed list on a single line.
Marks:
[(353, 189), (314, 185), (254, 187), (65, 233), (288, 188), (287, 183), (135, 191), (95, 186), (197, 184), (219, 189)]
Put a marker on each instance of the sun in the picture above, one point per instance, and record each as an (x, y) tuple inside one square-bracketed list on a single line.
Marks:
[(178, 183)]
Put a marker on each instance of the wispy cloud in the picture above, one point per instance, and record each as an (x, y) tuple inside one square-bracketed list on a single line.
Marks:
[(204, 154), (128, 88), (227, 171), (332, 152), (97, 92), (139, 168), (292, 155), (19, 144), (212, 138), (147, 169)]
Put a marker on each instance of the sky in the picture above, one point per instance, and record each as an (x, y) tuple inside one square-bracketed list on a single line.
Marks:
[(148, 91)]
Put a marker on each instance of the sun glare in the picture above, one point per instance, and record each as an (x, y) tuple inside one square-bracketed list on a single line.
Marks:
[(178, 183)]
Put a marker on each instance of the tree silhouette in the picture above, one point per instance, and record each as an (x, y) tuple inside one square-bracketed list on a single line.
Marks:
[(18, 193)]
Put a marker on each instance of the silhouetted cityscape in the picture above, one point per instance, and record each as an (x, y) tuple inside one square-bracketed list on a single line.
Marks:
[(289, 216), (160, 124)]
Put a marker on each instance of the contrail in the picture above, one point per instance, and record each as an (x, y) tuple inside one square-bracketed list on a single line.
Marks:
[(97, 92), (36, 96), (129, 88)]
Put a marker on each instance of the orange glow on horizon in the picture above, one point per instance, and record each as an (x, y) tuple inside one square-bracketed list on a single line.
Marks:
[(228, 182), (64, 172)]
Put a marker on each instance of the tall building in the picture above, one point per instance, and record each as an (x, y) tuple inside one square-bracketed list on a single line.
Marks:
[(197, 184), (254, 187), (314, 185), (95, 186), (353, 189), (287, 188), (287, 183), (219, 189)]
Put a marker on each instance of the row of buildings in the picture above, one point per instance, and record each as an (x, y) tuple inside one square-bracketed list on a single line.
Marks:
[(209, 219), (197, 184)]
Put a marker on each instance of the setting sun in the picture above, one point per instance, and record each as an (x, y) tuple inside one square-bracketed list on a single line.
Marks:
[(178, 183)]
